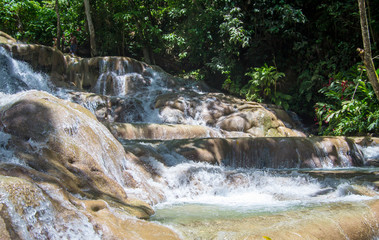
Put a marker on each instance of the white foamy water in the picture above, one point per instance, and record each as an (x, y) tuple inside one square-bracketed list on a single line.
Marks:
[(371, 152), (37, 218), (7, 155), (198, 191), (178, 182), (141, 90), (18, 76), (186, 182)]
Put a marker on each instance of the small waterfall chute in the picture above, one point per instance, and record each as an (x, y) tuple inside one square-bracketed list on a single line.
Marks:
[(16, 76)]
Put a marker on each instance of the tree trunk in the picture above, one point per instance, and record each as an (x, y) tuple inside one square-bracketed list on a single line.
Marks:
[(59, 31), (148, 55), (366, 53), (90, 28)]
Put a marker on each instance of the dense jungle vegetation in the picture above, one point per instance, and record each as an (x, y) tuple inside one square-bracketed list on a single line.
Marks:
[(300, 54)]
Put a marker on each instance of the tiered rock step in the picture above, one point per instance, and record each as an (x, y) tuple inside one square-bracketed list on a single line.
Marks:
[(237, 149), (153, 131), (361, 176)]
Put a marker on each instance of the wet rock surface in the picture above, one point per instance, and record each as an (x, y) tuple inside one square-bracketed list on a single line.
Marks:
[(6, 39), (277, 152), (121, 76), (65, 174), (70, 159), (42, 58), (335, 221)]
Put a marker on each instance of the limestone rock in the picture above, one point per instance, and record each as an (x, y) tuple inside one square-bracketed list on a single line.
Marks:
[(227, 113), (123, 76), (6, 39), (355, 221), (66, 141), (160, 131), (41, 58), (73, 170), (43, 210), (86, 73), (67, 70), (275, 152)]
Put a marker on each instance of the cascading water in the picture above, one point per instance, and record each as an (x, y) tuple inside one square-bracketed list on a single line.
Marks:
[(140, 89), (184, 181), (17, 76), (198, 195), (199, 190), (181, 190), (39, 221)]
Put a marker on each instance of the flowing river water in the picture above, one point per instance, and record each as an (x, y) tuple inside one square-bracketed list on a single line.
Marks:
[(200, 200)]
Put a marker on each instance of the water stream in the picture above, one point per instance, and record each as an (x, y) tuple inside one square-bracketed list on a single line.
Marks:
[(197, 192), (201, 192)]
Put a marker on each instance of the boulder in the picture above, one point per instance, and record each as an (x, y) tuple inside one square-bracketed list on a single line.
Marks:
[(61, 145), (43, 210), (226, 113)]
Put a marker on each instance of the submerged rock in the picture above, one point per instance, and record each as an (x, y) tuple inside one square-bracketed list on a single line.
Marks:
[(332, 221)]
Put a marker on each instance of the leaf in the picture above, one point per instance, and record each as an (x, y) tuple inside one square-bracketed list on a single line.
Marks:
[(305, 86), (286, 106), (267, 238), (308, 97)]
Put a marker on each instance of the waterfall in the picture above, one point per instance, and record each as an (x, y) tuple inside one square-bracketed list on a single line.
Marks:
[(18, 76), (205, 177), (140, 87), (185, 181)]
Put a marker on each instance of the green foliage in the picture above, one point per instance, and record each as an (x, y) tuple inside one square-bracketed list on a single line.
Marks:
[(27, 21), (233, 87), (72, 19), (350, 105), (138, 24), (263, 84), (321, 49), (232, 28), (217, 40)]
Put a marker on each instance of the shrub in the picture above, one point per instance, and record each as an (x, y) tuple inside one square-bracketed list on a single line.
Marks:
[(350, 106), (262, 86)]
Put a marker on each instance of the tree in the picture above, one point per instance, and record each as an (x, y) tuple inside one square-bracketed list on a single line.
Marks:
[(366, 52), (59, 30), (90, 28)]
